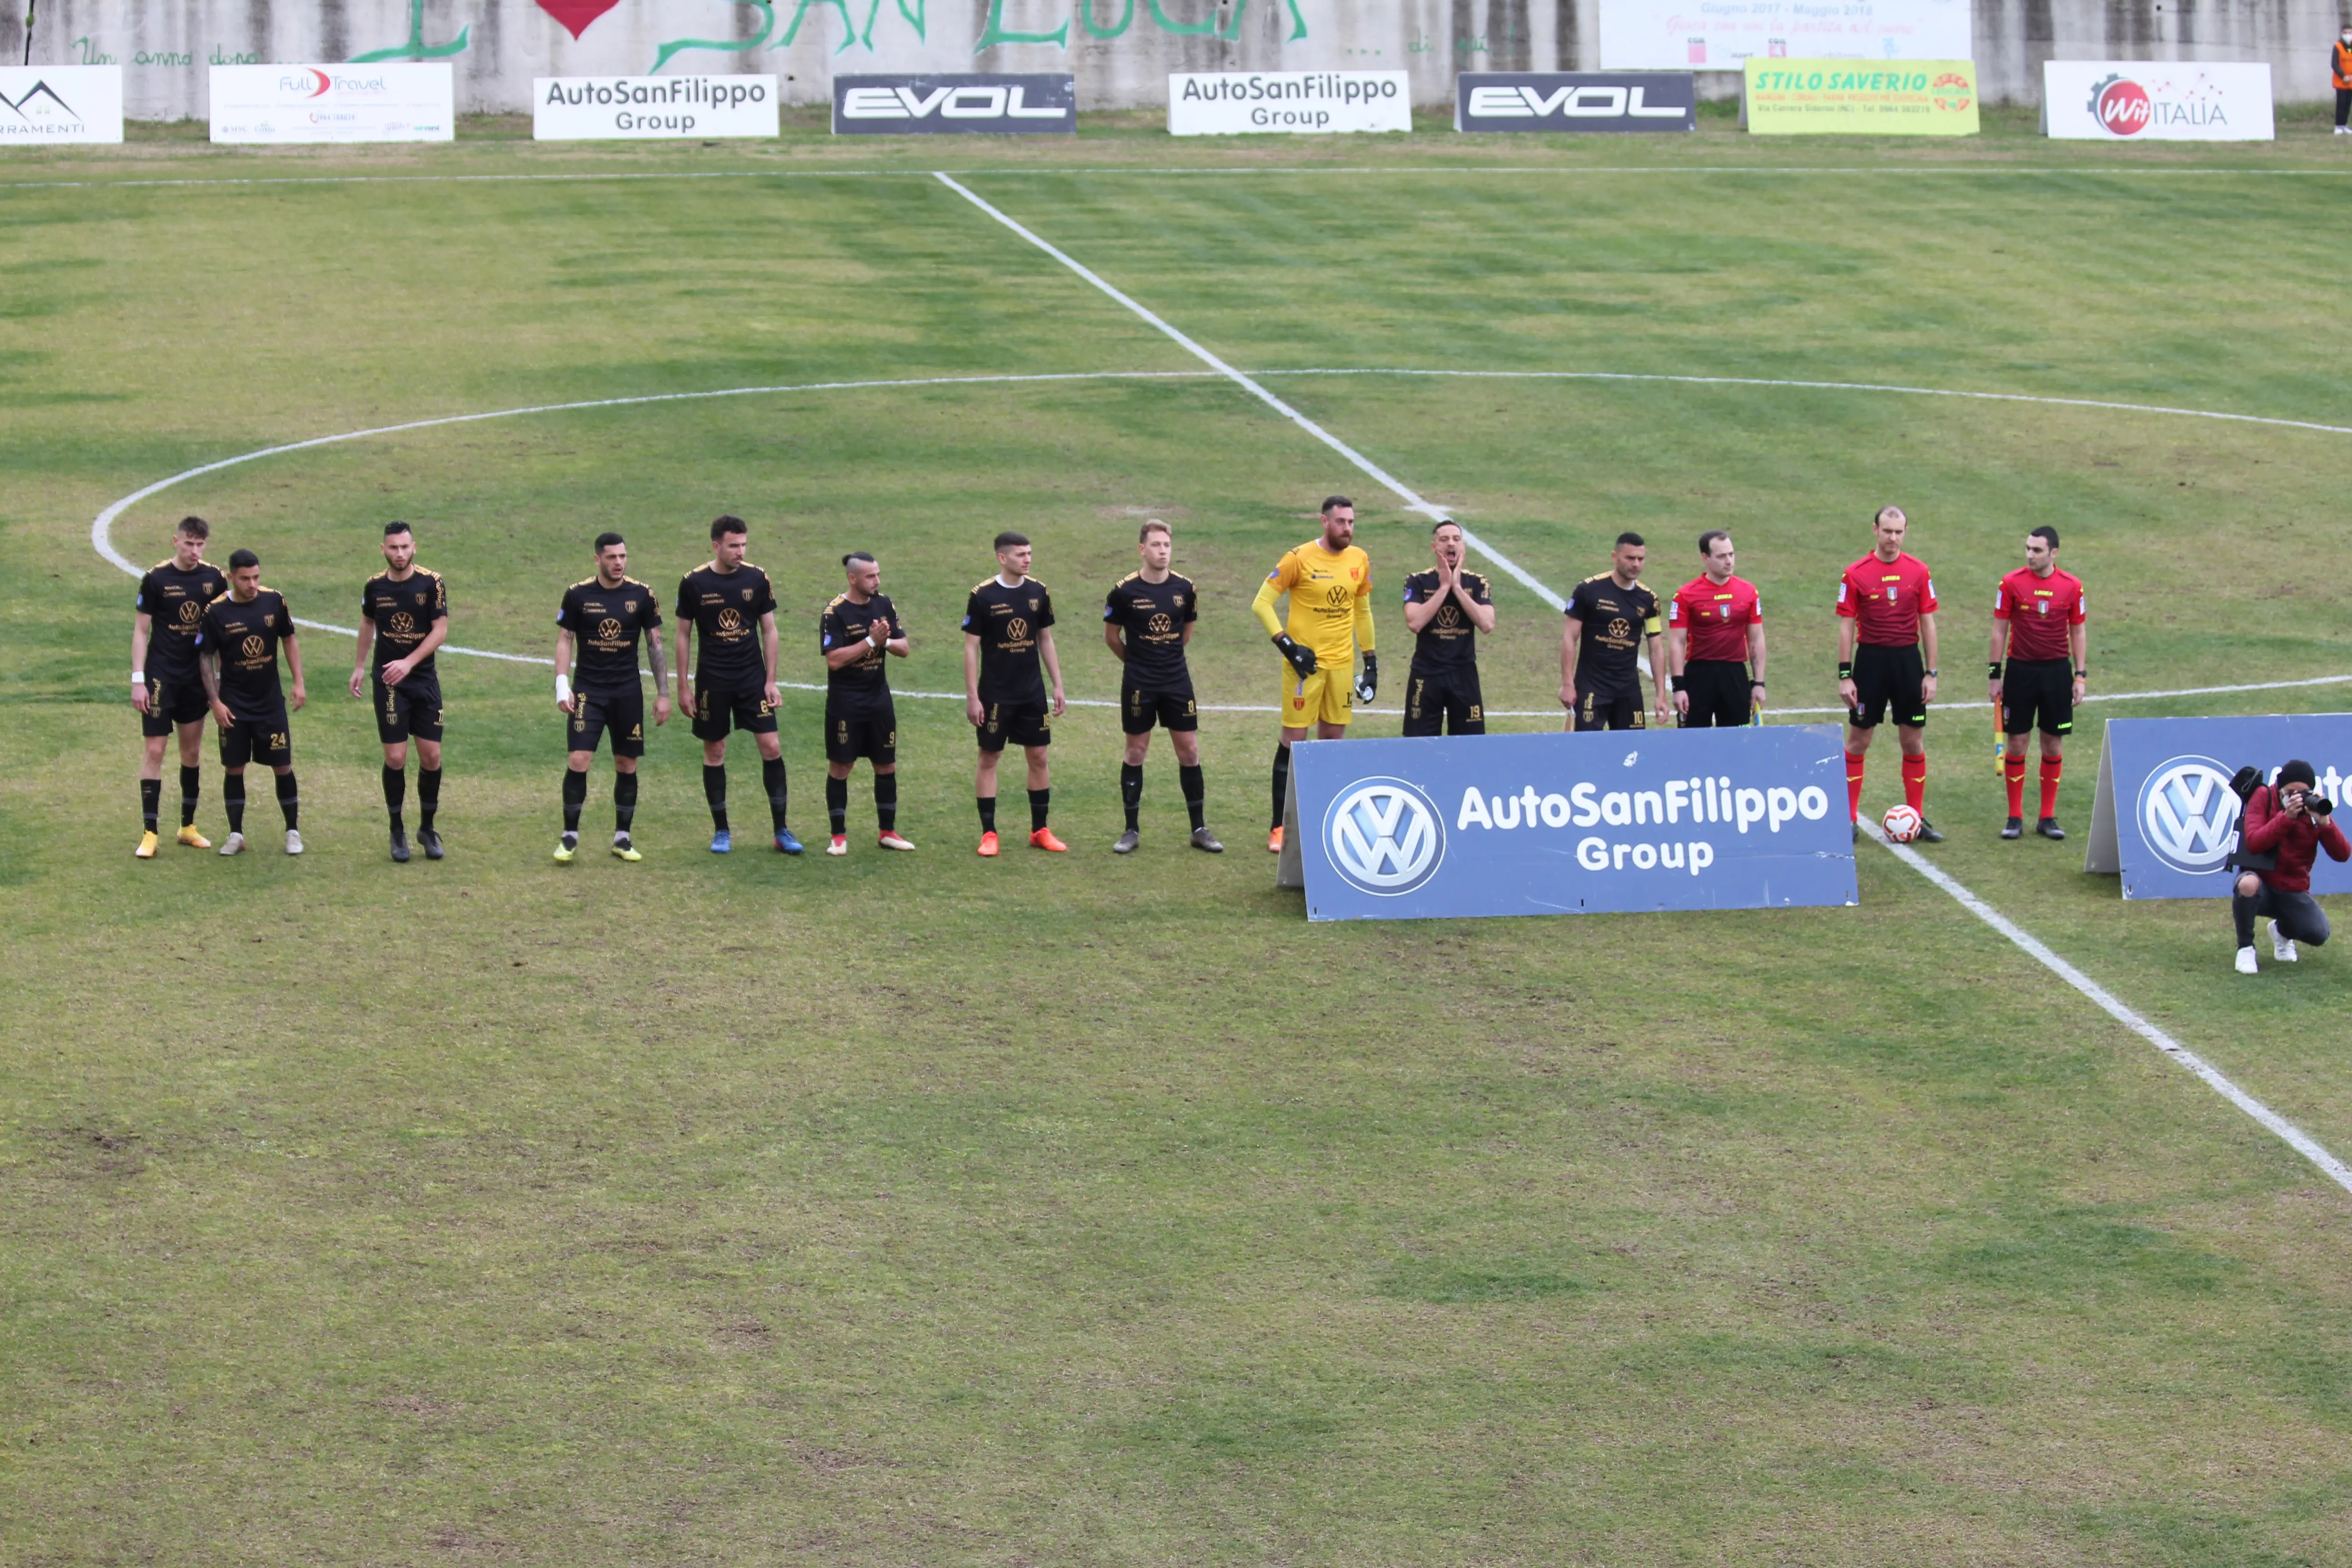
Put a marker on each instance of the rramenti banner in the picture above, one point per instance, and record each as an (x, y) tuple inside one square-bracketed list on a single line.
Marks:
[(639, 107), (46, 105), (1235, 103), (1575, 100), (932, 105), (1862, 97), (1559, 824), (2157, 101), (2163, 815), (385, 101)]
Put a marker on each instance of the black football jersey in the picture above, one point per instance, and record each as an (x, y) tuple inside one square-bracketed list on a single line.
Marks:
[(863, 685), (725, 608), (174, 602), (1608, 656), (1154, 615), (607, 624), (403, 614), (1008, 621), (1447, 644), (246, 637)]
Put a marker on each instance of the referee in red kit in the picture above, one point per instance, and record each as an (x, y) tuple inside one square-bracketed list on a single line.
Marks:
[(2038, 627), (1887, 602), (1715, 642)]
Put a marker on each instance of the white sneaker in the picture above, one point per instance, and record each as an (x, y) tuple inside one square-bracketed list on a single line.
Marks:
[(2246, 961), (2343, 130), (233, 845), (2282, 948), (293, 842)]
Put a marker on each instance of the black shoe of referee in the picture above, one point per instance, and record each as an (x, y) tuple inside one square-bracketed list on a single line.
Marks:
[(1927, 834), (2048, 827), (2013, 829)]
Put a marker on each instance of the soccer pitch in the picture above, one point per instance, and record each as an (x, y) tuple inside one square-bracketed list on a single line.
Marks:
[(1077, 1209)]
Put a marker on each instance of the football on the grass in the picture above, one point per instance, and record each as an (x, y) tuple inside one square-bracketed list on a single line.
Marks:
[(1902, 824)]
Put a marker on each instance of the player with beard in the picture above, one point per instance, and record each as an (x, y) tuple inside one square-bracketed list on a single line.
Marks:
[(1330, 582), (604, 616), (1446, 609), (403, 616), (164, 685), (1609, 616), (856, 631), (729, 602), (237, 644)]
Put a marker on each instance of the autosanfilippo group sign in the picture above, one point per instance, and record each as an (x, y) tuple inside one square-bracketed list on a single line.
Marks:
[(2157, 101), (1561, 824), (2163, 816), (1235, 103), (637, 107)]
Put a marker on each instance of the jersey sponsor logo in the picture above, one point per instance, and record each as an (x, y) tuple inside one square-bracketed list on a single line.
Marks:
[(730, 620), (254, 647), (1015, 630), (403, 623), (608, 628), (2187, 814), (1385, 836), (190, 612), (1160, 625)]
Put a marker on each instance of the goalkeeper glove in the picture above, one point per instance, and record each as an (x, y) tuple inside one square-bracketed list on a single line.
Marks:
[(1368, 685), (1302, 660)]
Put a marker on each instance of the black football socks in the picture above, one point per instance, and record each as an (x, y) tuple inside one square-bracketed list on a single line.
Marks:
[(714, 790), (233, 797), (151, 801), (396, 792), (1281, 781), (189, 778), (576, 796), (1196, 795), (1130, 792), (772, 778), (886, 800), (289, 801), (625, 802), (836, 804)]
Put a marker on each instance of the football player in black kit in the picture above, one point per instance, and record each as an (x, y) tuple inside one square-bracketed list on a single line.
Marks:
[(1007, 635), (403, 616), (1610, 616), (164, 685), (605, 615), (1148, 618), (729, 601), (854, 633), (236, 645), (1446, 609)]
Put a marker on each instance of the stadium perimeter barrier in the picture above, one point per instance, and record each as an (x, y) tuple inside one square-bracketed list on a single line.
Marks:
[(2157, 100), (2162, 815), (1567, 824)]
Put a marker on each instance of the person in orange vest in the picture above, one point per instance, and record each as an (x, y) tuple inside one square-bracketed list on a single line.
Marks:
[(2339, 62)]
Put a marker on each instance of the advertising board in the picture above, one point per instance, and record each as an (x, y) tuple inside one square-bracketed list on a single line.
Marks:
[(46, 105), (1658, 35), (1848, 97), (383, 100), (2157, 101), (1561, 824), (639, 107), (1238, 103), (954, 105), (1575, 100), (2162, 815)]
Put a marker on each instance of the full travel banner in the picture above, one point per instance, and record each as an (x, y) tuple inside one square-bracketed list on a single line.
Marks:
[(2163, 816), (1561, 823)]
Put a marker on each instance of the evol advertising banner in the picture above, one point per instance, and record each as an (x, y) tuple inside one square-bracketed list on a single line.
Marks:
[(1916, 97), (1719, 34), (2149, 100), (1575, 100), (52, 104), (955, 105), (1237, 103), (384, 101), (1561, 823), (637, 107), (2163, 816)]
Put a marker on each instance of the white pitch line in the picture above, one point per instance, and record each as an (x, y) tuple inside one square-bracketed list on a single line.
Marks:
[(1378, 474), (2033, 947)]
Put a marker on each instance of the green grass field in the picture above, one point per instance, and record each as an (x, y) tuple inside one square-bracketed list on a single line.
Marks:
[(1079, 1210)]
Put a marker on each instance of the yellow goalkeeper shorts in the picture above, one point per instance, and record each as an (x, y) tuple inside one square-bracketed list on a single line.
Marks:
[(1326, 696)]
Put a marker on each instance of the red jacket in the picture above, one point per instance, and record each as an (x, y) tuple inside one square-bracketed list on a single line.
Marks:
[(2295, 840)]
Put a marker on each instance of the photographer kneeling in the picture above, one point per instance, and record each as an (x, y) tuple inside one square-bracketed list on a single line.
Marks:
[(2284, 828)]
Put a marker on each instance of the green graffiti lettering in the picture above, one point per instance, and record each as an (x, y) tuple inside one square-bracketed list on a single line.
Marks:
[(767, 25), (1180, 29), (1087, 20), (1298, 23), (416, 48), (995, 34)]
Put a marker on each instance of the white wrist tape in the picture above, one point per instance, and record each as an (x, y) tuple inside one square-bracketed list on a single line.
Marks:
[(563, 688), (138, 677)]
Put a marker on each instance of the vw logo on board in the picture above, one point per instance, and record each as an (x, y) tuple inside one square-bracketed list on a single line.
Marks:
[(1385, 836), (2187, 814)]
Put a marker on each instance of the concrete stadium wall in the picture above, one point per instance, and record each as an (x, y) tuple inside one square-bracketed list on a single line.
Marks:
[(1121, 50)]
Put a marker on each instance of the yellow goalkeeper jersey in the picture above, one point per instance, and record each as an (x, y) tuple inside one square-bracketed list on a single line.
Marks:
[(1330, 601)]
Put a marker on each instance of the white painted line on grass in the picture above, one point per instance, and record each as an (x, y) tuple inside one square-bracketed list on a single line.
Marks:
[(1364, 463), (2293, 1136)]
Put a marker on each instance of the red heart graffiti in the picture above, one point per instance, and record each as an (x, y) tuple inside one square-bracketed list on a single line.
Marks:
[(576, 15)]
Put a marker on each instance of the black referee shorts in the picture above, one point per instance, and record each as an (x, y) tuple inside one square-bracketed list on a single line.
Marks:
[(1718, 693), (1887, 681), (2040, 688), (1447, 703)]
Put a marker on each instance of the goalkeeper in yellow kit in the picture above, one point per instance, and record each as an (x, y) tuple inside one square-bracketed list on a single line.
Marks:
[(1330, 582)]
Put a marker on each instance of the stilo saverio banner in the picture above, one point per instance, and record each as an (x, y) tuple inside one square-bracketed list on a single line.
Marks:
[(1561, 823), (2163, 815)]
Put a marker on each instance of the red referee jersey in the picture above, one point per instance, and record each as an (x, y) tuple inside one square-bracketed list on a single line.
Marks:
[(1716, 618), (2039, 610), (1887, 600)]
